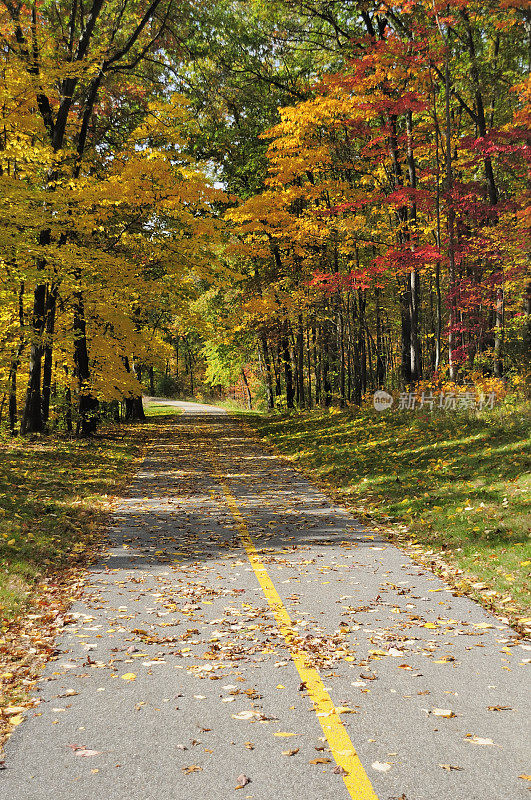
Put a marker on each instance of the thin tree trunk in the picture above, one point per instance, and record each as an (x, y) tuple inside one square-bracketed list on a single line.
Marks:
[(316, 336), (451, 220), (380, 368), (51, 304), (309, 362), (267, 371), (32, 415), (414, 278), (300, 361), (278, 369), (498, 334), (325, 365), (288, 373), (342, 398), (88, 405), (15, 364), (247, 391)]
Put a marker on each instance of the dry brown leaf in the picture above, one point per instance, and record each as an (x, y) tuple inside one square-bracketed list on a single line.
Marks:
[(339, 771), (191, 768), (320, 761), (291, 752), (243, 780)]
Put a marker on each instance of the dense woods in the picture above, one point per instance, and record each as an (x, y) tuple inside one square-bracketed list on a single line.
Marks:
[(313, 199)]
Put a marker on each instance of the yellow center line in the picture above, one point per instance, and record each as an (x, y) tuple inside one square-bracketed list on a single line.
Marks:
[(356, 780)]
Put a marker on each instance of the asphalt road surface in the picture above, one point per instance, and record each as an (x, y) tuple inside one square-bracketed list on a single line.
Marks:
[(241, 630)]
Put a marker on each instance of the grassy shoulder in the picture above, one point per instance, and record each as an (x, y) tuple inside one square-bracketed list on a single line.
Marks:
[(53, 492), (454, 489), (55, 497)]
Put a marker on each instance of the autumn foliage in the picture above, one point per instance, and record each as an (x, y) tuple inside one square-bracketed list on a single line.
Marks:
[(380, 235)]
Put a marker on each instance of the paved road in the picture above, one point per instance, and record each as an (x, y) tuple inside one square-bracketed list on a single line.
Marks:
[(185, 406), (227, 576)]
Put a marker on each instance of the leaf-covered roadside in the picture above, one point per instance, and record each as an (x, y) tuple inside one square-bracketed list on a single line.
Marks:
[(452, 489), (55, 494)]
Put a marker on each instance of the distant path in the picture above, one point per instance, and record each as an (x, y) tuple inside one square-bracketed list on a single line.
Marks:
[(185, 406), (241, 625)]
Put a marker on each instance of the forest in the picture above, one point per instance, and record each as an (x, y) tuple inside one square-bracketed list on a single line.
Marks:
[(311, 199)]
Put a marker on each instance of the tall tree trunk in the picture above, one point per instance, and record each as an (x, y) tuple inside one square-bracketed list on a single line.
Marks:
[(438, 323), (278, 368), (88, 405), (405, 332), (13, 396), (288, 373), (300, 361), (317, 355), (325, 364), (267, 371), (362, 304), (415, 352), (309, 363), (342, 398), (451, 220), (32, 415), (177, 374), (15, 363), (406, 303), (248, 396), (380, 367), (51, 304), (498, 334)]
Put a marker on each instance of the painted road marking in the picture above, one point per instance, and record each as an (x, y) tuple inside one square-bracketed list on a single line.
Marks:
[(356, 780)]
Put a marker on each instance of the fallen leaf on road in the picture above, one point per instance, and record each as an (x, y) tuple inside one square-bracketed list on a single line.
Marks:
[(477, 739), (81, 750), (129, 676), (442, 712), (191, 768), (525, 777), (291, 752), (499, 708), (245, 715), (319, 761), (449, 767), (243, 780), (381, 766), (339, 771), (284, 734)]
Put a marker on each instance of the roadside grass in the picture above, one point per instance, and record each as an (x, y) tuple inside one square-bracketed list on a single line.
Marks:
[(448, 485), (53, 494), (160, 410), (234, 407)]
